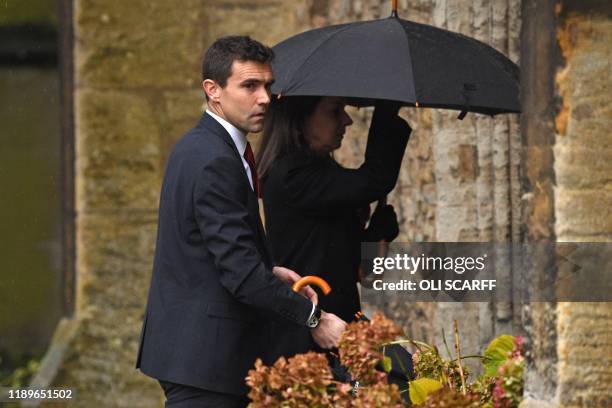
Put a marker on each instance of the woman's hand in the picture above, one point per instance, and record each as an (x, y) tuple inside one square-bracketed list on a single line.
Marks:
[(383, 224), (386, 114), (387, 108), (289, 277)]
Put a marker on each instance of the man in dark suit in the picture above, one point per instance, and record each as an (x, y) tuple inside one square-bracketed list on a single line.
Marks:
[(213, 289)]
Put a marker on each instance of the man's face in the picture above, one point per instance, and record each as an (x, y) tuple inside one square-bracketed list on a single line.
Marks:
[(244, 100)]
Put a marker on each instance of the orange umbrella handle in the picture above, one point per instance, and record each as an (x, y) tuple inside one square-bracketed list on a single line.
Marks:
[(312, 280)]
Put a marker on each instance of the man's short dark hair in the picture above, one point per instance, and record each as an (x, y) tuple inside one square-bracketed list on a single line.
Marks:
[(218, 60)]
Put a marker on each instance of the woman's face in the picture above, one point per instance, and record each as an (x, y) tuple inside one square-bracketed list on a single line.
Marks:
[(325, 127)]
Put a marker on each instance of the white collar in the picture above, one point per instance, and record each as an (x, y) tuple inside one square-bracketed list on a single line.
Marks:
[(237, 135)]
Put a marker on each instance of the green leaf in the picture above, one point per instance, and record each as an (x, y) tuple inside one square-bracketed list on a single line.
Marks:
[(421, 388), (386, 364), (497, 353)]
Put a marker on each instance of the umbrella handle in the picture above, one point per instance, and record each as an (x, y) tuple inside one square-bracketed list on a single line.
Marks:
[(382, 244), (312, 280)]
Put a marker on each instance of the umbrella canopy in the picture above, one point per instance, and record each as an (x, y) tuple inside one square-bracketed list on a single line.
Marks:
[(400, 60)]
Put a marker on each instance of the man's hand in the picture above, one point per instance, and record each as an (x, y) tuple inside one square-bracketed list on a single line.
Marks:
[(289, 277), (327, 333)]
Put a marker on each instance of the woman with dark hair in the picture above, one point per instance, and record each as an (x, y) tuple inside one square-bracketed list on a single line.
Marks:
[(314, 208)]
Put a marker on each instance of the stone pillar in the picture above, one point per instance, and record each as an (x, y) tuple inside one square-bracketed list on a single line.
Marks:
[(537, 127), (583, 193), (567, 155)]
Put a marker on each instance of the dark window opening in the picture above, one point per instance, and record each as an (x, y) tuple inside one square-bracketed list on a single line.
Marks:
[(36, 179)]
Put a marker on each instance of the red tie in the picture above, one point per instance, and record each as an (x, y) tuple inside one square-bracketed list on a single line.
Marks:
[(250, 158)]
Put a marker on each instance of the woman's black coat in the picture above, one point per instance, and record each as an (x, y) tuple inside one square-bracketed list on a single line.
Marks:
[(311, 207)]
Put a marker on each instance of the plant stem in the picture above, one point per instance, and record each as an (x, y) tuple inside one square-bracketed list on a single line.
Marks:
[(450, 356), (458, 349), (474, 356)]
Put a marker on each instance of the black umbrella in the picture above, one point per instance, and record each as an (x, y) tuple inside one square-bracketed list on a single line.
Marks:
[(400, 60)]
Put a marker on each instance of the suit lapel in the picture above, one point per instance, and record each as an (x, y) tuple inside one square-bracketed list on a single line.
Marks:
[(252, 203), (219, 131)]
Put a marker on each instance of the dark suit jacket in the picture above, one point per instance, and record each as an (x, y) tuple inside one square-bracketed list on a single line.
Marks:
[(212, 274), (311, 206)]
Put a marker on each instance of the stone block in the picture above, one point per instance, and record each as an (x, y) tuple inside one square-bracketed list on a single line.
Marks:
[(268, 21), (584, 82), (451, 192), (100, 370), (583, 212), (578, 167), (115, 254), (118, 152), (138, 43), (182, 110), (585, 365), (589, 132), (456, 223), (185, 104), (529, 402), (115, 261)]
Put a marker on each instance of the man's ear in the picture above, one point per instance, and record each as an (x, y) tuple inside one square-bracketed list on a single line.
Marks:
[(212, 89)]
